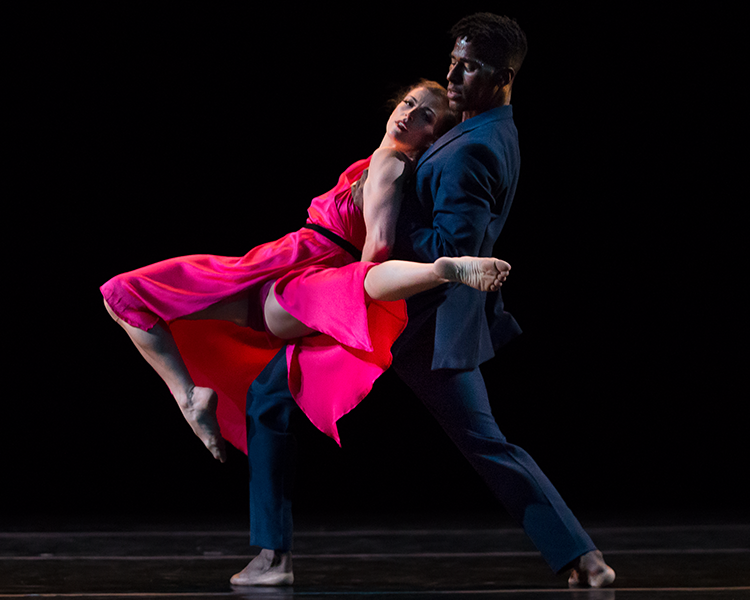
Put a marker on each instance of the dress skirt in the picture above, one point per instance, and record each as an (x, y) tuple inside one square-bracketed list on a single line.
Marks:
[(317, 282)]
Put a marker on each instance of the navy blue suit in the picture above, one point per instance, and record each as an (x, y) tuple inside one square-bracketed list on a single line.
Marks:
[(464, 187), (462, 191)]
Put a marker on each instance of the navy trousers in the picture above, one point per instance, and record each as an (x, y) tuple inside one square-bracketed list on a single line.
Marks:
[(272, 454), (458, 400)]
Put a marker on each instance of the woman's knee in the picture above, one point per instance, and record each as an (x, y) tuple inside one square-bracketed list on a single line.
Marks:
[(111, 312)]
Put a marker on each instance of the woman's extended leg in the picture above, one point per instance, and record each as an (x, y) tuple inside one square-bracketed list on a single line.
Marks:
[(398, 280), (198, 404), (279, 322)]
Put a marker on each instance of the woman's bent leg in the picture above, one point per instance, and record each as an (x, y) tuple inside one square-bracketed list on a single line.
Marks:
[(198, 404)]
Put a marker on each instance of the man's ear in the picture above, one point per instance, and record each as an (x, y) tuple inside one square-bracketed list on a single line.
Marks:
[(505, 76)]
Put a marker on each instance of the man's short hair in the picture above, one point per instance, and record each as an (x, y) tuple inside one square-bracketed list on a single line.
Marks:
[(497, 40)]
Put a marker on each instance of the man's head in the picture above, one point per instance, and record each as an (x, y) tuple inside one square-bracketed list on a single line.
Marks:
[(488, 53)]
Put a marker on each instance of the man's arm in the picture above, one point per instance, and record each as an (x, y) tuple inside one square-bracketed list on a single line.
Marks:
[(463, 206)]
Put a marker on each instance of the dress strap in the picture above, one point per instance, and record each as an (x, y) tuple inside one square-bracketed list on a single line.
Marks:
[(336, 239)]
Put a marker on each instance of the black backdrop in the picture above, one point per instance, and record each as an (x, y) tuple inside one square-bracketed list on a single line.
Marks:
[(148, 133)]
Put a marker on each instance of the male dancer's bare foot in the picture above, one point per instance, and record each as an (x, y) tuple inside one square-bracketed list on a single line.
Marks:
[(590, 570), (484, 274), (199, 410), (268, 568)]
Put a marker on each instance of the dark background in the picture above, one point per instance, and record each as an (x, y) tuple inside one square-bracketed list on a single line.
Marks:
[(148, 133)]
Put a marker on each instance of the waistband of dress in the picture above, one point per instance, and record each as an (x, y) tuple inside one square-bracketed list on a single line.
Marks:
[(336, 239)]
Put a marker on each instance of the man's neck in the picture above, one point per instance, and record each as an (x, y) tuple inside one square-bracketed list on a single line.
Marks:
[(502, 99)]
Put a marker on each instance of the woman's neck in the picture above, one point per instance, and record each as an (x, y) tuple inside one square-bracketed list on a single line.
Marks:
[(411, 153)]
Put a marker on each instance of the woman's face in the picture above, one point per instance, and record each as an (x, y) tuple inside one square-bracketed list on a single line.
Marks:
[(412, 124)]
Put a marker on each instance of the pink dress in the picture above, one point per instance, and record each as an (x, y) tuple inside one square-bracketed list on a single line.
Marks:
[(317, 282)]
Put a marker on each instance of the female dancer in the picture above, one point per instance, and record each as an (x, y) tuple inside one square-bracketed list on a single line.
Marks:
[(306, 283)]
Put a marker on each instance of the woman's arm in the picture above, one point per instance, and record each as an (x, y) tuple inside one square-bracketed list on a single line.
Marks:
[(383, 191)]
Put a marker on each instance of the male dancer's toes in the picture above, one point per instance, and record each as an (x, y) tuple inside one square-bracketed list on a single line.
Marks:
[(590, 570), (269, 568), (199, 410), (484, 274)]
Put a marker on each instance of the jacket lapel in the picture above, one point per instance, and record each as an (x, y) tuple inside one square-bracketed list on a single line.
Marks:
[(446, 139), (502, 112)]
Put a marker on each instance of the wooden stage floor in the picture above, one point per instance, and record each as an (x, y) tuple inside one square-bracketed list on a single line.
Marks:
[(444, 558)]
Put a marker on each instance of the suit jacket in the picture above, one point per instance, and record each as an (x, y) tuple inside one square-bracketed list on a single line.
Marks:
[(456, 205)]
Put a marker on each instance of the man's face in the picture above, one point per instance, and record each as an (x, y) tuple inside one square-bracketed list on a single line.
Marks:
[(472, 84)]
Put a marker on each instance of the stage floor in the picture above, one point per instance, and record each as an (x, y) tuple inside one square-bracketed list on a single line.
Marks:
[(417, 558)]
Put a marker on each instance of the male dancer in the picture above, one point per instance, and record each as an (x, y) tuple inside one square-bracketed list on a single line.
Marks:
[(463, 189)]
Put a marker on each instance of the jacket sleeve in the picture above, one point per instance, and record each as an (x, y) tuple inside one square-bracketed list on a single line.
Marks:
[(462, 208)]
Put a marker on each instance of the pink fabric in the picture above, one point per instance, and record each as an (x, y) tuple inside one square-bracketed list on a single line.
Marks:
[(330, 374), (316, 281)]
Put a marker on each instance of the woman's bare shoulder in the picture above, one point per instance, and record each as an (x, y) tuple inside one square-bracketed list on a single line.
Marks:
[(389, 163)]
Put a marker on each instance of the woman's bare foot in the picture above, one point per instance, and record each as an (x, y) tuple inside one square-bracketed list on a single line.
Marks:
[(199, 410), (484, 274), (590, 570)]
